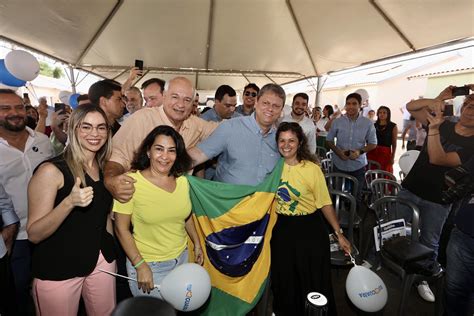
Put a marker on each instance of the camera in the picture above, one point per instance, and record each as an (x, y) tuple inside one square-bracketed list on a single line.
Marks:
[(460, 181)]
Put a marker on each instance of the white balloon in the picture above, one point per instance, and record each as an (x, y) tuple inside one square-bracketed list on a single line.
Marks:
[(363, 93), (4, 86), (187, 287), (64, 96), (22, 65), (407, 160), (365, 289)]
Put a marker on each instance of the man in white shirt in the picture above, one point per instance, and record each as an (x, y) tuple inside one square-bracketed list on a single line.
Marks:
[(21, 151), (298, 110)]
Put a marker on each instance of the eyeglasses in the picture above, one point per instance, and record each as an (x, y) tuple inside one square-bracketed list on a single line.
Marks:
[(87, 129), (250, 94)]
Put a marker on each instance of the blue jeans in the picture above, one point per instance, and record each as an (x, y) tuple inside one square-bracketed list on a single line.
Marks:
[(159, 270), (432, 218), (459, 273)]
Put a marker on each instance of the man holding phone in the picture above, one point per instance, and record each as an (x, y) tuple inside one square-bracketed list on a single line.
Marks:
[(448, 145), (355, 136)]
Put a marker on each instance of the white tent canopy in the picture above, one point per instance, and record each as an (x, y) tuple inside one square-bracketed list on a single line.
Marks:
[(234, 42)]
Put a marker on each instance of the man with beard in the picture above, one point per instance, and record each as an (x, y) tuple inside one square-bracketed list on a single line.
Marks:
[(297, 115), (21, 151)]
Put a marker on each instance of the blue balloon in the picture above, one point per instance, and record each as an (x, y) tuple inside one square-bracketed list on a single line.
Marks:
[(7, 78), (73, 100)]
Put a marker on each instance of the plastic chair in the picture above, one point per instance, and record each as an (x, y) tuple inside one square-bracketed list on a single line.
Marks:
[(345, 207), (404, 252), (326, 165), (384, 187)]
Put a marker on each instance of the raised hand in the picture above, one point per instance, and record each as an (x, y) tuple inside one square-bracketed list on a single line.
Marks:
[(81, 196)]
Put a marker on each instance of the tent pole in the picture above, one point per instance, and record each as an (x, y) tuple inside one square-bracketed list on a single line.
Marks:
[(318, 91), (72, 79)]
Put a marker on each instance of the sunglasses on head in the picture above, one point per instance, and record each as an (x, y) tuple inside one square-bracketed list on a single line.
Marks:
[(250, 94)]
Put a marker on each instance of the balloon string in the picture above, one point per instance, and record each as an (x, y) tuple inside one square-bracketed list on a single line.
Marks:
[(32, 90), (125, 277), (352, 260)]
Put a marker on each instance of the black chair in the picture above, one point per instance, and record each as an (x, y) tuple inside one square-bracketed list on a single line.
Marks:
[(345, 207), (401, 254)]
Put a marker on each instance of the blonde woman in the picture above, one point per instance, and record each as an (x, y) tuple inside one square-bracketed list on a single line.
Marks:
[(69, 223)]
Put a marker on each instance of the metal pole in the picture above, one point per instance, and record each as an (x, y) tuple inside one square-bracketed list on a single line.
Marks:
[(318, 91), (72, 79)]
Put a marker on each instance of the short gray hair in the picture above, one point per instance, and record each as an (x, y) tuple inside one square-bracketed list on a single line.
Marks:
[(273, 88)]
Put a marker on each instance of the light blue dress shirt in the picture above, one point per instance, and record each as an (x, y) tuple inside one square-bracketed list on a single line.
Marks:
[(211, 115), (8, 216), (246, 155), (352, 135)]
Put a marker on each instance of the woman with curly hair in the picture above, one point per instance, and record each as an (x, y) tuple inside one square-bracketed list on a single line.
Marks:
[(300, 240), (160, 212)]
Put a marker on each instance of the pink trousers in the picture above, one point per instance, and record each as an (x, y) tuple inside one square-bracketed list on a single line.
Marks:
[(62, 297)]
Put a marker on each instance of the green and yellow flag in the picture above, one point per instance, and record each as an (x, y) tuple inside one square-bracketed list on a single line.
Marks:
[(235, 225)]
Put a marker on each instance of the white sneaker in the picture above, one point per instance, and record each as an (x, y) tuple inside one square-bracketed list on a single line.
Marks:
[(425, 292)]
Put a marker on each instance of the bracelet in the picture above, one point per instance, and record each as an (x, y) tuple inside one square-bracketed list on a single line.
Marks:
[(138, 255), (433, 134), (139, 263)]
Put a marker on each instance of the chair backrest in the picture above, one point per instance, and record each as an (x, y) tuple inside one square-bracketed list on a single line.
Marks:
[(371, 175), (321, 152), (329, 154), (388, 208), (342, 182), (402, 175), (384, 187), (326, 165), (345, 206), (372, 164)]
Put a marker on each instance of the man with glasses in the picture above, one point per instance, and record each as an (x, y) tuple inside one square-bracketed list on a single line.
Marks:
[(21, 151), (107, 94), (250, 95)]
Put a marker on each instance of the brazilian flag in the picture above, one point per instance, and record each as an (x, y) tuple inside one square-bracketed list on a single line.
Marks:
[(235, 225)]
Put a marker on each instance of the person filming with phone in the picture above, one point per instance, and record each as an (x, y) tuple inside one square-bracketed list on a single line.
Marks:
[(449, 144)]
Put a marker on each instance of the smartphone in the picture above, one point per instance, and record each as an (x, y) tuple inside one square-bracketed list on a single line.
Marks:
[(347, 153), (139, 64), (457, 91), (448, 110), (59, 107), (25, 95)]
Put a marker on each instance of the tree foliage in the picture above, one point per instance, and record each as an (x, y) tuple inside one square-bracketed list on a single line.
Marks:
[(47, 70)]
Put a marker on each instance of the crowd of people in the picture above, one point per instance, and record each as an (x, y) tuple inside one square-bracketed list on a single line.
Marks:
[(108, 192)]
